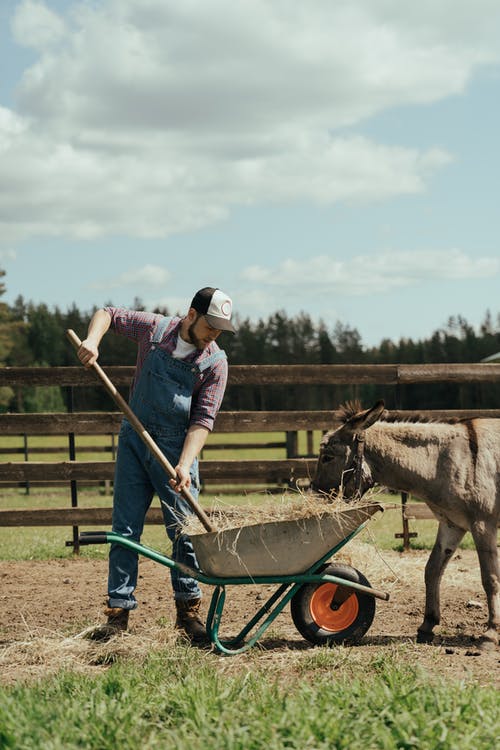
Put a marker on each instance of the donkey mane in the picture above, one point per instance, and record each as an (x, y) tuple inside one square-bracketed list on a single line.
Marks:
[(349, 409)]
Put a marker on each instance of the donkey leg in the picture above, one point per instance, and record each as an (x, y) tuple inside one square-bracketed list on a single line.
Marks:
[(447, 540), (485, 539)]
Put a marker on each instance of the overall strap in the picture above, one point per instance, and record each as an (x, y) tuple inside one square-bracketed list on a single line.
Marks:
[(161, 327), (208, 361)]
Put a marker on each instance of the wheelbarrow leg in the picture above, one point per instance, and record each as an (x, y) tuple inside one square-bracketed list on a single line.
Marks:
[(237, 645)]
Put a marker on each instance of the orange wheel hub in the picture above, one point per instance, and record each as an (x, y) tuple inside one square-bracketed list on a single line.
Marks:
[(336, 619)]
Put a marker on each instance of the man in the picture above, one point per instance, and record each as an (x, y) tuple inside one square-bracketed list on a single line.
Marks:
[(179, 383)]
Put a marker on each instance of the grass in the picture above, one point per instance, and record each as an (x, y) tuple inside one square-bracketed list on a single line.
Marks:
[(180, 697), (85, 443)]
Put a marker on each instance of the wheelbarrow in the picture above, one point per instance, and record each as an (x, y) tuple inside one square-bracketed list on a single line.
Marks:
[(330, 603)]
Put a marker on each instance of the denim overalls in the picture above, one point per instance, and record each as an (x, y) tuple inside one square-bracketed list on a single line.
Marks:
[(162, 401)]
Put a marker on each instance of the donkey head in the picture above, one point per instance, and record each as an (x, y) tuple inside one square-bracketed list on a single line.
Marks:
[(341, 465)]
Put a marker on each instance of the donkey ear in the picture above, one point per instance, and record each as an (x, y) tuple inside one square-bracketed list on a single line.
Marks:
[(374, 414), (365, 419)]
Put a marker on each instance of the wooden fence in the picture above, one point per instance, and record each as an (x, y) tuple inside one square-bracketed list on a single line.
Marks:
[(283, 472)]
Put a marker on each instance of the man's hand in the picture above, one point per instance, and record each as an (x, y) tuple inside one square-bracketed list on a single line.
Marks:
[(183, 481), (88, 353)]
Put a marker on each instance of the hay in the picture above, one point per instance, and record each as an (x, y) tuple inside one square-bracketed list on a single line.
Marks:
[(280, 538), (45, 652), (290, 507)]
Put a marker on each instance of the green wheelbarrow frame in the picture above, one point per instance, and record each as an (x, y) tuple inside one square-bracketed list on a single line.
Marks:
[(288, 585)]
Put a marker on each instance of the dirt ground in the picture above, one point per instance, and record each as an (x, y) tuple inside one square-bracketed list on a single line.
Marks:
[(56, 600)]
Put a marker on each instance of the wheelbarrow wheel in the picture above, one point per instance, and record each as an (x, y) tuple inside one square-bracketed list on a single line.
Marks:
[(328, 614)]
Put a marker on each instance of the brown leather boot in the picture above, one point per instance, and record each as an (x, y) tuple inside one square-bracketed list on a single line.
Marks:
[(117, 623), (189, 622)]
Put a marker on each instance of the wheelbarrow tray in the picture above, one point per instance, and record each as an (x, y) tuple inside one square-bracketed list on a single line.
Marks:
[(277, 548)]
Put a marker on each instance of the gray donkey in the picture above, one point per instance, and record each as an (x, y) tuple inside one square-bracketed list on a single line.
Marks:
[(453, 466)]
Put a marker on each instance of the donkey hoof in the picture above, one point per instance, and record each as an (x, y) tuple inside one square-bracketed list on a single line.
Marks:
[(423, 636)]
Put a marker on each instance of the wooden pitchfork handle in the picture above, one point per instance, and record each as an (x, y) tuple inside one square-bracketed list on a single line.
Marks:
[(143, 433)]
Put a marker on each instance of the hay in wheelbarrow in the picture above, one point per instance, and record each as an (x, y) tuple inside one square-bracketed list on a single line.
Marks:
[(278, 539)]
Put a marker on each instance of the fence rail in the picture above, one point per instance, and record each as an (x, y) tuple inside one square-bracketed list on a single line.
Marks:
[(274, 374), (105, 423)]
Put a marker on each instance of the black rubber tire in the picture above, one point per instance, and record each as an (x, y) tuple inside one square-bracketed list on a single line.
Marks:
[(352, 623)]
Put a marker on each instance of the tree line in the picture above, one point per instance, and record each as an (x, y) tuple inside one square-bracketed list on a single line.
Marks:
[(34, 335)]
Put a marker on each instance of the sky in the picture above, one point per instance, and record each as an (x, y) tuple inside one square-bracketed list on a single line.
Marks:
[(338, 159)]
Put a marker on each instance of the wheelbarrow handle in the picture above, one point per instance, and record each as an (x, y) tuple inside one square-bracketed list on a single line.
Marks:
[(143, 433), (93, 537)]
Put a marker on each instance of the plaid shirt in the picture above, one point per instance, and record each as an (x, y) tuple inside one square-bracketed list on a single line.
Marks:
[(209, 388)]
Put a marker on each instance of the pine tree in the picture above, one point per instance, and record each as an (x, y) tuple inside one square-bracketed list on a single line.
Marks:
[(8, 331)]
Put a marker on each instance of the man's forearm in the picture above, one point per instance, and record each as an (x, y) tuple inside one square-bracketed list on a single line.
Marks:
[(98, 326), (195, 440), (193, 443), (89, 349)]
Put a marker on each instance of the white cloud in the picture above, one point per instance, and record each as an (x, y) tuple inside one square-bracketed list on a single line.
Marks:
[(146, 277), (68, 191), (11, 129), (251, 66), (148, 119), (364, 275), (35, 25)]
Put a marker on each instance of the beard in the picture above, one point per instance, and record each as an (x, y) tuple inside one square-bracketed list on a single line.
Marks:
[(193, 338)]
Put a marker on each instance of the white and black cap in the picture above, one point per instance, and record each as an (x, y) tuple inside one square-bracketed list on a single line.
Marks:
[(216, 306)]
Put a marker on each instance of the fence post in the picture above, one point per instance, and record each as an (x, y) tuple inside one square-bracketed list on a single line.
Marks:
[(107, 482), (73, 485), (406, 534), (310, 443), (292, 444), (292, 448), (26, 458)]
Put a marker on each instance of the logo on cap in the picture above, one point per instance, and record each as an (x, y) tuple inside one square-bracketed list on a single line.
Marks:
[(226, 308)]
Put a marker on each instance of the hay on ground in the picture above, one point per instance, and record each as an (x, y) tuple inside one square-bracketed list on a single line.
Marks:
[(42, 652)]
